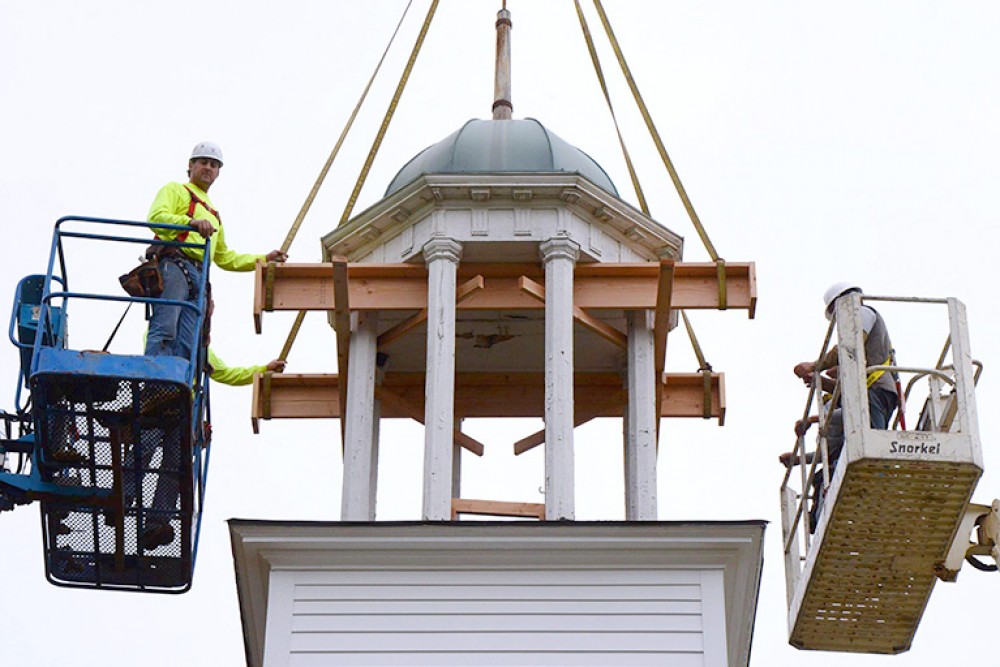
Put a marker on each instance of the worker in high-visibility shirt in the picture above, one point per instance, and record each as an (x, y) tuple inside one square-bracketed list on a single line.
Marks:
[(158, 533), (172, 328)]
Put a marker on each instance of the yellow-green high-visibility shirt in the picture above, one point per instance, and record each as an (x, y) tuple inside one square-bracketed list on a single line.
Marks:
[(236, 375), (171, 207)]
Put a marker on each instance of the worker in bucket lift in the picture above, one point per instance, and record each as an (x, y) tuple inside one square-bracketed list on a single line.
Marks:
[(157, 533), (172, 328), (882, 397)]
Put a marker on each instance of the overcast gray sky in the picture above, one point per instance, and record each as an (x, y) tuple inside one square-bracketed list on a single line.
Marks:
[(825, 141)]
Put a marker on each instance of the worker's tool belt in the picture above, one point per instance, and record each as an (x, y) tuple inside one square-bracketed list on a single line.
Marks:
[(190, 268), (186, 265), (145, 280)]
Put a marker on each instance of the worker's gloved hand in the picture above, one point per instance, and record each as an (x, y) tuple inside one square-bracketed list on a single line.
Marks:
[(276, 365), (801, 426), (805, 370), (203, 227), (277, 256)]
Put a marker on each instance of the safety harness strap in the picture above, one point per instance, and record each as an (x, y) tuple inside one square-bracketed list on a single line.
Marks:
[(875, 375), (195, 200)]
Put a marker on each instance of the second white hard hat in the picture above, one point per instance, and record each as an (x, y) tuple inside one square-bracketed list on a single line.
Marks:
[(207, 149), (836, 290)]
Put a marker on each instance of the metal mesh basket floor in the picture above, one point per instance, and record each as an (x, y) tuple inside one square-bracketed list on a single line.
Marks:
[(130, 442)]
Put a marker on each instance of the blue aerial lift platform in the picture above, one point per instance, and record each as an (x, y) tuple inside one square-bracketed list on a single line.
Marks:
[(113, 447)]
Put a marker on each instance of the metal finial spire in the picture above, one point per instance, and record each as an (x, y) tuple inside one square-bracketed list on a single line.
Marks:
[(502, 106)]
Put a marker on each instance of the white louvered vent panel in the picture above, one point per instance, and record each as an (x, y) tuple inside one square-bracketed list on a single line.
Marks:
[(479, 617)]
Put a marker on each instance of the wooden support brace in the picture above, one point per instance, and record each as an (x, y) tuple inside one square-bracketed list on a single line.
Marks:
[(661, 326), (342, 322), (269, 287), (260, 303), (720, 268), (605, 331), (615, 403), (400, 404), (538, 437), (534, 440), (261, 406), (661, 319), (707, 395), (265, 396), (256, 403), (496, 508), (464, 291)]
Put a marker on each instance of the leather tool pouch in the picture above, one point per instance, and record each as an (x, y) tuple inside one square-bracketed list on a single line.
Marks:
[(145, 280)]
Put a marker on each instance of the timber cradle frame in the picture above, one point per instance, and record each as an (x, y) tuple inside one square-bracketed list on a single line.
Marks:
[(341, 288)]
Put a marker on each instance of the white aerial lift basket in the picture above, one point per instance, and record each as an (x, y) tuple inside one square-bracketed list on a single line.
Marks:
[(893, 505)]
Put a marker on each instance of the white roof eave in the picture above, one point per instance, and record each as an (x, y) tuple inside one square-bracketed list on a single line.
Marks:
[(414, 201)]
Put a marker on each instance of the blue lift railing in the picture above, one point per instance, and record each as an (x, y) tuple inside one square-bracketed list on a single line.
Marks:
[(114, 447)]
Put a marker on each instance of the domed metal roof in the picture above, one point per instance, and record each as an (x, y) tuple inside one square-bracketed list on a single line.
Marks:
[(501, 146)]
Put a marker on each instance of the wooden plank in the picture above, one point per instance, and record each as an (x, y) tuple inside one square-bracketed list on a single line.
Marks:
[(464, 291), (661, 326), (538, 437), (393, 400), (399, 330), (634, 286), (480, 395), (496, 508), (255, 401), (615, 402), (258, 295), (628, 286), (661, 319), (605, 331)]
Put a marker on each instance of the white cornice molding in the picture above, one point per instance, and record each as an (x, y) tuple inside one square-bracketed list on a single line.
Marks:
[(406, 207)]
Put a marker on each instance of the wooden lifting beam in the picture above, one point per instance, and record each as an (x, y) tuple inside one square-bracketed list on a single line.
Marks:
[(295, 396), (628, 286)]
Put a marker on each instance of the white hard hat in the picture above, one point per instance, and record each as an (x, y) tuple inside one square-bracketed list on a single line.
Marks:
[(207, 149), (834, 291)]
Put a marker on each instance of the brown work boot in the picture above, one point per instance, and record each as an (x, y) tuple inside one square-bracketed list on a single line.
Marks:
[(156, 535)]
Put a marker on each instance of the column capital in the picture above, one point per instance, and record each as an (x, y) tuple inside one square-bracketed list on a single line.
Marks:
[(559, 247), (442, 247)]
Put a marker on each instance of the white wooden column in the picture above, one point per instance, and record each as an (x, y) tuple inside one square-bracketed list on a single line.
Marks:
[(640, 419), (559, 256), (361, 430), (441, 256)]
